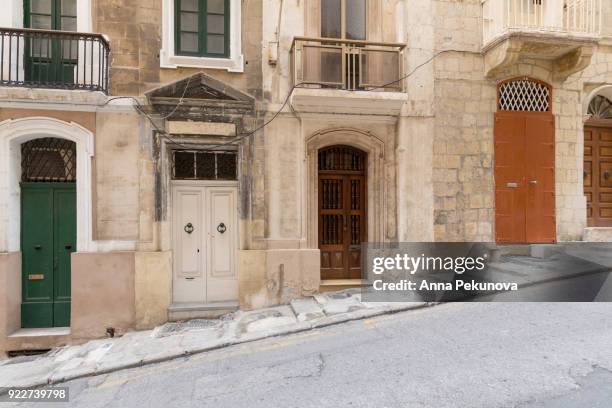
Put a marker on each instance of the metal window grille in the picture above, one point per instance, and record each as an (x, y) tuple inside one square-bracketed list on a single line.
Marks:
[(48, 160), (600, 108), (524, 95), (342, 158), (197, 165)]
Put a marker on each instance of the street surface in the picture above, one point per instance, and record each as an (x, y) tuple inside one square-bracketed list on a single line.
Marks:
[(523, 355)]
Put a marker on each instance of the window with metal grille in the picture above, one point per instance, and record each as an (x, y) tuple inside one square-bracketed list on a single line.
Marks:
[(600, 108), (48, 159), (524, 95), (343, 158), (197, 165)]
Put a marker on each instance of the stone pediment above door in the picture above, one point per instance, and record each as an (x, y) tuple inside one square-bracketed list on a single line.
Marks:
[(200, 90)]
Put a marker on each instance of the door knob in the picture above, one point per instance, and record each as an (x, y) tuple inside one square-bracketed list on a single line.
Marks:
[(189, 228), (533, 182), (221, 228), (37, 247)]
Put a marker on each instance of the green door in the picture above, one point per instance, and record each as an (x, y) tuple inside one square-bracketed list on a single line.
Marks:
[(50, 60), (48, 237)]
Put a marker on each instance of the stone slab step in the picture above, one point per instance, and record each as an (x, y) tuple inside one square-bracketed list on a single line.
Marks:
[(213, 310)]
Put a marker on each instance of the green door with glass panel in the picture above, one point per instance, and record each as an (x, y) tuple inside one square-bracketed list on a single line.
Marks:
[(50, 60), (48, 237)]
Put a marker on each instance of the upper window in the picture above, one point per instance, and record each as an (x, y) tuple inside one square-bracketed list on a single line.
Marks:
[(202, 28), (343, 19), (51, 14)]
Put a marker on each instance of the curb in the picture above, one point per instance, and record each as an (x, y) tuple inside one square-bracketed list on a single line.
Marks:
[(300, 327)]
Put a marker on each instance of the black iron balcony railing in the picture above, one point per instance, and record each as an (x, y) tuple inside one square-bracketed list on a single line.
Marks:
[(347, 64), (53, 59)]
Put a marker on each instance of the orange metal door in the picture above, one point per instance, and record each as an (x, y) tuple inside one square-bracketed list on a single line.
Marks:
[(524, 177)]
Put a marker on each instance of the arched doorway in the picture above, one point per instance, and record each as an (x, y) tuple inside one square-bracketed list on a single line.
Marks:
[(598, 161), (48, 230), (342, 212), (524, 163)]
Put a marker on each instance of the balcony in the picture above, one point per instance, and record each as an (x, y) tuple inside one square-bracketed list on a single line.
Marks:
[(562, 31), (347, 76), (54, 59)]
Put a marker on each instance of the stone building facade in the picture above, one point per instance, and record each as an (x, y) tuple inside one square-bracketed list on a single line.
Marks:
[(233, 154)]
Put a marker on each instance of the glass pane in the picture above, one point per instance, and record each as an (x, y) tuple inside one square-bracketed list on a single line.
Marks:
[(356, 19), (330, 18), (189, 22), (215, 24), (40, 6), (215, 44), (41, 22), (189, 5), (206, 166), (69, 49), (69, 8), (189, 42), (69, 24), (183, 165), (41, 47), (216, 6), (226, 166)]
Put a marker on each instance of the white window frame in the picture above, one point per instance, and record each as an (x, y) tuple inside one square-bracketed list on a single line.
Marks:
[(169, 59), (13, 15)]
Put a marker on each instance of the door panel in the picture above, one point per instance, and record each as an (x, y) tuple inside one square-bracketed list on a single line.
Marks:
[(332, 229), (524, 177), (510, 188), (540, 173), (189, 283), (598, 175), (64, 245), (222, 281), (37, 255)]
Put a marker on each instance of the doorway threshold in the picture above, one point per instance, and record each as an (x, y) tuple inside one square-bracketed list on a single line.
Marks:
[(333, 285), (41, 332), (194, 310)]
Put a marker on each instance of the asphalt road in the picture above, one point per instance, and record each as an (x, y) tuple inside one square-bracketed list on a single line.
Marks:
[(524, 355)]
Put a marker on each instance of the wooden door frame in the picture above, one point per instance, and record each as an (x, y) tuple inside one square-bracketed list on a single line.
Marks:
[(199, 184), (53, 187), (346, 199), (600, 124)]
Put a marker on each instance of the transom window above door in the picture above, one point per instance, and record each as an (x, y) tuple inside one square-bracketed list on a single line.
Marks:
[(343, 19), (202, 28), (198, 165)]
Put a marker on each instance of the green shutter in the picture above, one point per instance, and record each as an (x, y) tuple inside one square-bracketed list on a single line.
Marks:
[(211, 36)]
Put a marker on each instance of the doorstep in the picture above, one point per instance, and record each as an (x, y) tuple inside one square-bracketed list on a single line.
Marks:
[(194, 310), (41, 332), (333, 285), (597, 234)]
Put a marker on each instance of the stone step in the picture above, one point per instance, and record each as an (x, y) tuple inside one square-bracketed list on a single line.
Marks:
[(334, 285), (187, 311)]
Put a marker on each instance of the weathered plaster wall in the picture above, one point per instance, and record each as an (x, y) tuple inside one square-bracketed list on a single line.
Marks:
[(10, 296), (117, 176), (135, 30), (153, 288), (103, 293)]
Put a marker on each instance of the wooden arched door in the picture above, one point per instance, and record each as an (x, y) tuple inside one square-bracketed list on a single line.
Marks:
[(342, 211)]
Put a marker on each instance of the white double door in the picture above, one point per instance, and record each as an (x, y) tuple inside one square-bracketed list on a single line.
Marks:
[(205, 236)]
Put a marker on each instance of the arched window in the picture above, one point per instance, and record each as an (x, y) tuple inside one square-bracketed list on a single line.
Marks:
[(600, 108), (48, 159), (524, 94)]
